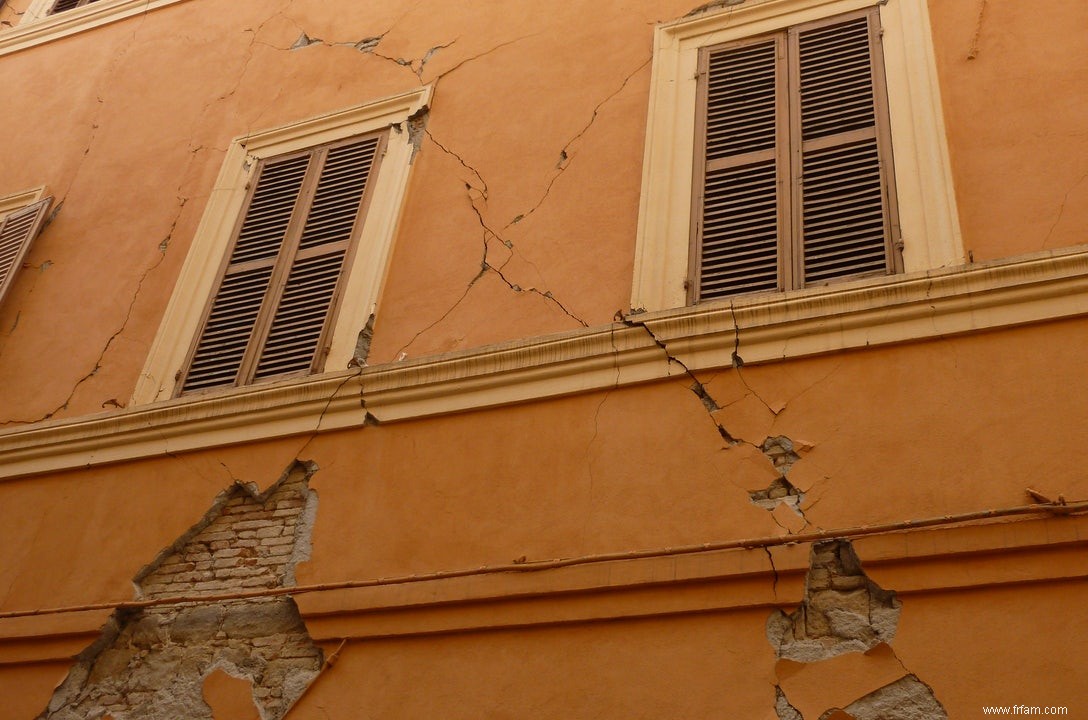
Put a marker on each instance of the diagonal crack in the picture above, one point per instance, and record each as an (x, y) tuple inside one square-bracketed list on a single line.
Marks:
[(565, 155), (101, 356)]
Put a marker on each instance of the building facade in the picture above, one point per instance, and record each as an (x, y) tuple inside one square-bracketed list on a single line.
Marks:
[(611, 360)]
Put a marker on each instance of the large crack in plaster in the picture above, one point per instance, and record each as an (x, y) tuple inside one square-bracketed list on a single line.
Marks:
[(567, 154), (152, 663), (843, 611)]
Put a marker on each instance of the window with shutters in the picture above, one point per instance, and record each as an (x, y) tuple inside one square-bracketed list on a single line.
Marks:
[(796, 187), (272, 312), (62, 5), (287, 263), (18, 228), (769, 152)]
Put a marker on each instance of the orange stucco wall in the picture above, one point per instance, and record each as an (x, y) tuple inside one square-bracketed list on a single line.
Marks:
[(532, 161)]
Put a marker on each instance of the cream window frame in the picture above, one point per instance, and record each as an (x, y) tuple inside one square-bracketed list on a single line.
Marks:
[(16, 201), (38, 26), (923, 179), (366, 271)]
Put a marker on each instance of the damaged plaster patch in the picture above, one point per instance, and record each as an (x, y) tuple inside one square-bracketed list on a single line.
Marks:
[(150, 663), (783, 708), (779, 492), (714, 5), (780, 451), (905, 699), (842, 611)]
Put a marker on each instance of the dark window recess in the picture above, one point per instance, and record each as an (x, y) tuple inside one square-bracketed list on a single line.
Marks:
[(794, 186), (62, 5), (17, 230), (273, 311)]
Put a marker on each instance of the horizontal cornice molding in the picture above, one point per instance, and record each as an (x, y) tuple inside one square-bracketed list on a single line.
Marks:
[(1042, 549), (758, 328)]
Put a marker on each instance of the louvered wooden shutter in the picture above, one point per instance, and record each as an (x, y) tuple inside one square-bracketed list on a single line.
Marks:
[(793, 167), (62, 5), (17, 231), (845, 209), (274, 308), (740, 206)]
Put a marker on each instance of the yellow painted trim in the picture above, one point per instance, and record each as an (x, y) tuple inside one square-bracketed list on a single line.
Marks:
[(927, 204), (38, 28), (367, 272), (766, 328), (14, 201)]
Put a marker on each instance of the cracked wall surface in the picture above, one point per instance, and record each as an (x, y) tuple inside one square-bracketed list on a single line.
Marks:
[(520, 221), (844, 612), (504, 219), (151, 663)]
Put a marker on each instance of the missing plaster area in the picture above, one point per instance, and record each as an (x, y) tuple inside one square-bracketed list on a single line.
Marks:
[(782, 455), (152, 663), (842, 611), (905, 699)]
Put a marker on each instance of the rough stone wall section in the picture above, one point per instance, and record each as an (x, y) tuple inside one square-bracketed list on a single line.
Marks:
[(151, 664), (905, 699), (843, 611)]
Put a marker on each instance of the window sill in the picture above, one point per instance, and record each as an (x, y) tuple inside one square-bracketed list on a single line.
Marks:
[(32, 32), (761, 328)]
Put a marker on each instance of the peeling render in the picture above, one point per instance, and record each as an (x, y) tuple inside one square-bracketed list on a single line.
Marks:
[(905, 699), (151, 664), (843, 611)]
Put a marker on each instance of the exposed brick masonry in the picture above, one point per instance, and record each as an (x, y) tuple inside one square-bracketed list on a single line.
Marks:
[(150, 665)]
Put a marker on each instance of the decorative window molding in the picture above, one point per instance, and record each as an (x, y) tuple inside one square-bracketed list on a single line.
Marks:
[(15, 201), (39, 26), (922, 177), (22, 216), (363, 270)]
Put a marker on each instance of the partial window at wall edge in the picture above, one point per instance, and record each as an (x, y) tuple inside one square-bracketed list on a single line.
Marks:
[(287, 262)]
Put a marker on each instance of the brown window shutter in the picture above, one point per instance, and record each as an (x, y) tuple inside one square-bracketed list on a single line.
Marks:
[(738, 208), (845, 215), (62, 5), (793, 168), (276, 300), (302, 319), (17, 230)]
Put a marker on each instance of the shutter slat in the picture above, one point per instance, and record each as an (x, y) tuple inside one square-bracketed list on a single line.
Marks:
[(741, 108), (739, 240), (269, 213), (299, 321), (836, 79), (17, 231), (228, 329), (844, 213), (339, 192)]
